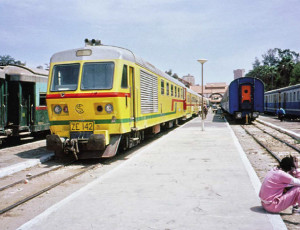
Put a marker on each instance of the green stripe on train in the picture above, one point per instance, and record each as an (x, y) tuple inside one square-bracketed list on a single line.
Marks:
[(117, 121)]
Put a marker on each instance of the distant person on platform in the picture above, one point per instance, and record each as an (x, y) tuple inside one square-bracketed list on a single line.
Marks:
[(281, 114), (281, 187), (205, 110)]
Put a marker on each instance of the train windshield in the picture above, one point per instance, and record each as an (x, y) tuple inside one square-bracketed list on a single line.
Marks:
[(97, 75), (65, 77)]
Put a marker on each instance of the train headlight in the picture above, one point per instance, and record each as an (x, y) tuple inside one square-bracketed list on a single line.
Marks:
[(109, 108), (66, 109), (238, 115), (99, 108), (57, 109)]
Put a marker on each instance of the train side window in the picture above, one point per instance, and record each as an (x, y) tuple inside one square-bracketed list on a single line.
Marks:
[(171, 90), (42, 99), (124, 83), (162, 87), (175, 89), (298, 93), (167, 88), (178, 92)]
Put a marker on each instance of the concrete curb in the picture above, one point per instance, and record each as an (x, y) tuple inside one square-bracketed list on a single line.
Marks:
[(296, 135), (24, 165)]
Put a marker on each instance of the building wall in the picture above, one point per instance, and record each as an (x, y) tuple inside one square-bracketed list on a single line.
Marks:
[(189, 78), (238, 73)]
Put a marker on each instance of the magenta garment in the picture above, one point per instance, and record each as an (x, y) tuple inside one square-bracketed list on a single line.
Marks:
[(272, 191)]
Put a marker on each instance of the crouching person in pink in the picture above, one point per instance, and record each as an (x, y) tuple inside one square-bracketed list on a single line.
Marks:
[(281, 187)]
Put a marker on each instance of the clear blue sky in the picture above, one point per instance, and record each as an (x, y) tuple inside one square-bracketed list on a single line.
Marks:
[(170, 34)]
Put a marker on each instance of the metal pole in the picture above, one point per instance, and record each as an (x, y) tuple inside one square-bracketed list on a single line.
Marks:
[(202, 107)]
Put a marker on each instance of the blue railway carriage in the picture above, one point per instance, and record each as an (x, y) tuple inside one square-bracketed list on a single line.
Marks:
[(23, 108), (287, 98), (244, 98)]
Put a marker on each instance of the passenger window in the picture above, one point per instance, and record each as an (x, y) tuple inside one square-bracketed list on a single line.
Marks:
[(175, 91), (167, 89), (171, 90), (162, 87), (42, 99), (124, 78), (178, 92)]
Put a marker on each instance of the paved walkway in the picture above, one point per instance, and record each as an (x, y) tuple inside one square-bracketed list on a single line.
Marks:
[(189, 179)]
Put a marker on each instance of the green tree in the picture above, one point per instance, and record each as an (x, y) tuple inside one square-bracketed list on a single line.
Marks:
[(270, 58), (174, 75), (295, 76), (285, 65), (268, 74), (256, 63), (277, 68), (7, 60)]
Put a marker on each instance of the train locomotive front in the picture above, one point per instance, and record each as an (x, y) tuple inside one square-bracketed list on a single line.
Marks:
[(100, 97), (244, 99)]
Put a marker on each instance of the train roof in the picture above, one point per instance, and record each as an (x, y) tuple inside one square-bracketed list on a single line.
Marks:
[(100, 52), (245, 79), (22, 73), (283, 89), (2, 74)]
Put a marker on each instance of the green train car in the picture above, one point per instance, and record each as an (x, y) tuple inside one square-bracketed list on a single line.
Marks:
[(23, 109)]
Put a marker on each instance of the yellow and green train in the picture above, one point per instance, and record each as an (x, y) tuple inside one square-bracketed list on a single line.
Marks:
[(100, 97)]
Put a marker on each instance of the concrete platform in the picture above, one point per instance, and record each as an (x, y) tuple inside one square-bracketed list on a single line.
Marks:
[(17, 158), (189, 179)]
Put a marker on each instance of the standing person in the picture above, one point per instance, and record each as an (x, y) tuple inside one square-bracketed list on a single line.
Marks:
[(205, 110), (281, 187), (280, 113)]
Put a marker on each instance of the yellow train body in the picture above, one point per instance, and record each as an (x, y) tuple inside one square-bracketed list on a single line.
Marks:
[(98, 96)]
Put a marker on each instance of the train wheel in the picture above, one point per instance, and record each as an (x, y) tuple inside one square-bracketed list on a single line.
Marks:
[(125, 142)]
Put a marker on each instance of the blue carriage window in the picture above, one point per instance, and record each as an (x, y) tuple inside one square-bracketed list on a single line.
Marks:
[(97, 75), (65, 77)]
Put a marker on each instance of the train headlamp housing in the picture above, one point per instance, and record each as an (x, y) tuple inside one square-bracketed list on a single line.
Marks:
[(238, 115), (57, 109), (109, 108), (255, 114), (66, 110), (99, 108)]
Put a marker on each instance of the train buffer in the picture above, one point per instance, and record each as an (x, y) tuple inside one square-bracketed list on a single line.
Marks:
[(188, 179)]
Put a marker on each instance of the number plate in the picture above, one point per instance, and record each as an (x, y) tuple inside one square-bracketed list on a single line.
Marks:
[(81, 126)]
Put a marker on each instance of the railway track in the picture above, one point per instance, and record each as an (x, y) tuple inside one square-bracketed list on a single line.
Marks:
[(22, 191), (277, 143)]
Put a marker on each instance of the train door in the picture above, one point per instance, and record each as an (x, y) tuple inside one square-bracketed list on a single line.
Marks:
[(13, 108), (284, 100), (184, 99), (246, 97), (26, 104), (132, 96), (3, 103)]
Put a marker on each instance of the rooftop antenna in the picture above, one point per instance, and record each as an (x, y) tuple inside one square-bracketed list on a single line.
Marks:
[(92, 42)]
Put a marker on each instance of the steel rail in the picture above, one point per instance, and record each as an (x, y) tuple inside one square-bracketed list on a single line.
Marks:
[(278, 129), (46, 189), (261, 144), (32, 177), (277, 138)]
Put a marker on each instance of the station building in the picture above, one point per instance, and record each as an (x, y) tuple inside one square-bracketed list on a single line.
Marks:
[(213, 91)]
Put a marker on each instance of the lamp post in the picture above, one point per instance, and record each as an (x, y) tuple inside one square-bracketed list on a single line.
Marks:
[(202, 61)]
